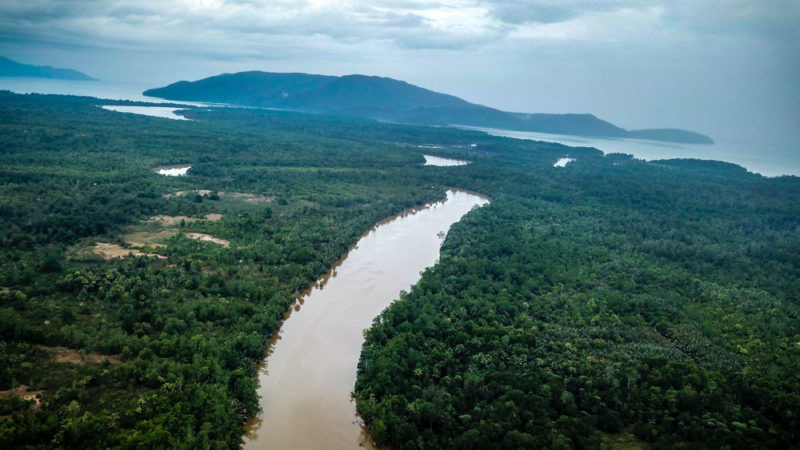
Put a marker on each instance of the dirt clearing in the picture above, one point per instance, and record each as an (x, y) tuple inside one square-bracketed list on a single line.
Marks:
[(208, 238), (111, 251)]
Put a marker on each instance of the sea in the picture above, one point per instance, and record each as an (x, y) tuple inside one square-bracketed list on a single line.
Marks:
[(765, 158), (114, 90)]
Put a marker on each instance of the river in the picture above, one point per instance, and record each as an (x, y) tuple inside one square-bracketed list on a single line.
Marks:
[(307, 379)]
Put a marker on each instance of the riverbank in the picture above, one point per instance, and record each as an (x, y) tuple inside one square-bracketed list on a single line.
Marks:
[(307, 379)]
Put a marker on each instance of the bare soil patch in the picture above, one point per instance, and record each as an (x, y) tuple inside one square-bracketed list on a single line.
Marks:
[(184, 193), (22, 392), (111, 251), (171, 220), (245, 196), (149, 238), (67, 355), (175, 220), (209, 238), (251, 198)]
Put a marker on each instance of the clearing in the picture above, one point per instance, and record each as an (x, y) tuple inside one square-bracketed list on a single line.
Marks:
[(111, 251), (208, 238)]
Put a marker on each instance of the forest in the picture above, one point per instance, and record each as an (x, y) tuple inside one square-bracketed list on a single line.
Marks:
[(612, 303)]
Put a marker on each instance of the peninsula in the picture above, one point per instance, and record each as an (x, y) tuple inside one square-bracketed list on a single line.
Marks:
[(390, 100)]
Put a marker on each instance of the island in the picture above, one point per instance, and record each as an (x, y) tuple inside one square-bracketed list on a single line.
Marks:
[(390, 100)]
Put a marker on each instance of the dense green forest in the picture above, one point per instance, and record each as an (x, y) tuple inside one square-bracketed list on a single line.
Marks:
[(176, 339), (612, 302)]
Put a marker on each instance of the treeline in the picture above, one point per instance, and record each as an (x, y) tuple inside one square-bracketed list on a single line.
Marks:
[(610, 298), (180, 337), (653, 302)]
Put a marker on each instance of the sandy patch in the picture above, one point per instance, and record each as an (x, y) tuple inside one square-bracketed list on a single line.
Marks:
[(111, 251), (148, 238), (208, 238), (175, 220), (171, 220), (248, 197), (22, 392), (252, 198), (185, 193), (66, 355), (4, 290), (139, 240)]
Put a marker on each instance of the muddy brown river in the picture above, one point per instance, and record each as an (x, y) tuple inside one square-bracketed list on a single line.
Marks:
[(305, 384)]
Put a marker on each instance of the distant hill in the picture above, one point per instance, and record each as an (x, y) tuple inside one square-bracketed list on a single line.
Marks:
[(391, 100), (671, 135), (10, 68)]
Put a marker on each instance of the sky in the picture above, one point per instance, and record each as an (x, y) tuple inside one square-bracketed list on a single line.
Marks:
[(727, 68)]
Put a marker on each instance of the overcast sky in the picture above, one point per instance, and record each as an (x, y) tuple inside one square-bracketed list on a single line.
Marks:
[(730, 69)]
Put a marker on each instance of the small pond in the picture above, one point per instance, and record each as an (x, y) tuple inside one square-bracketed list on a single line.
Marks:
[(166, 112), (445, 162)]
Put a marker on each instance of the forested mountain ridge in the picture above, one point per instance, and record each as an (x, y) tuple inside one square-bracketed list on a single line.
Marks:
[(612, 300), (9, 68), (390, 100)]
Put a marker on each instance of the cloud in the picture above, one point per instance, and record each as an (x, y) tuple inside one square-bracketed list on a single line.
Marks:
[(413, 24), (449, 24), (549, 11), (624, 24), (774, 19), (696, 59)]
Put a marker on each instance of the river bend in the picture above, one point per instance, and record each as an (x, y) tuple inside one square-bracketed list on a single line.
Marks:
[(305, 384)]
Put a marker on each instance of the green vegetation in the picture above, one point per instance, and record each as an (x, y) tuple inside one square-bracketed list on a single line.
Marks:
[(609, 303), (189, 329), (659, 301)]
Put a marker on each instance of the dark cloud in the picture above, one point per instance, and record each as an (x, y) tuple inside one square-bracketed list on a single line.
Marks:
[(777, 19), (550, 11), (518, 12), (415, 24)]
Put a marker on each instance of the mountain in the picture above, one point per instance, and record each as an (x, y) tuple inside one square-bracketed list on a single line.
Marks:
[(391, 100), (10, 68)]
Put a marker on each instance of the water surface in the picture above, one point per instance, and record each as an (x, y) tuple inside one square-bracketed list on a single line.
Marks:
[(101, 89), (562, 162), (172, 171), (444, 162), (306, 382), (165, 112), (107, 89), (764, 158)]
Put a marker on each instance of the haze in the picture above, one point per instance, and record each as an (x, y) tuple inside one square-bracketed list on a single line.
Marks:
[(725, 68)]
